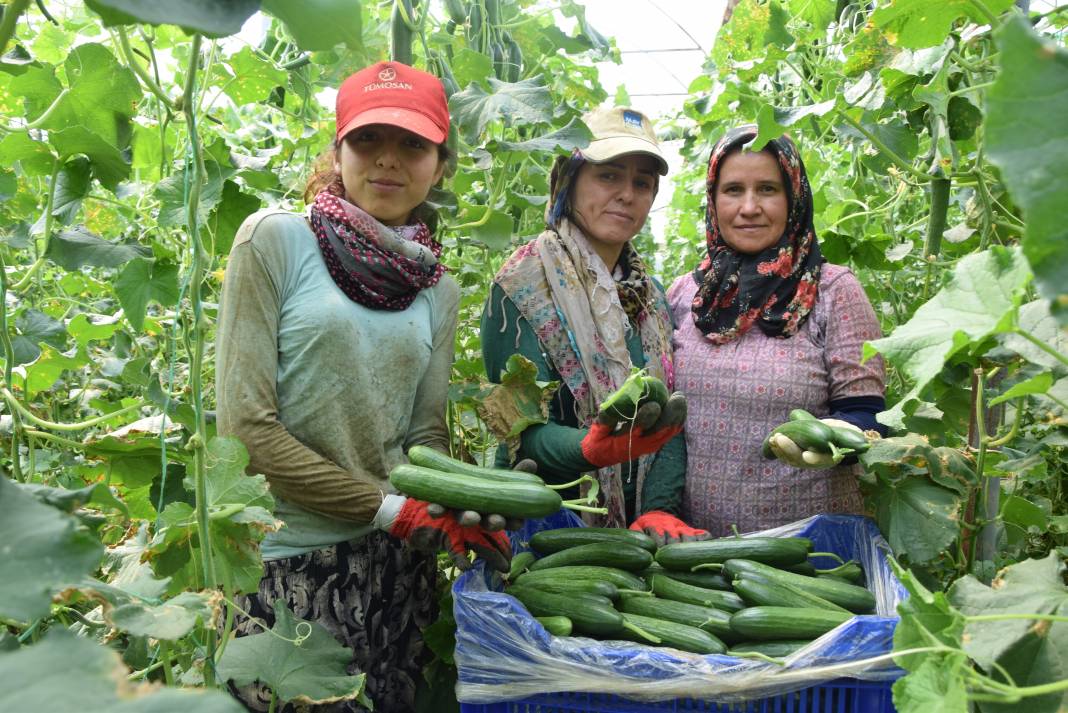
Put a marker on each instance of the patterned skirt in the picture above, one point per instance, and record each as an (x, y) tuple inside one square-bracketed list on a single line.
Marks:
[(374, 595)]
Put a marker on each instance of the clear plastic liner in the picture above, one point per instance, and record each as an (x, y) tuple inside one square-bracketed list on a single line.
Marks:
[(503, 653)]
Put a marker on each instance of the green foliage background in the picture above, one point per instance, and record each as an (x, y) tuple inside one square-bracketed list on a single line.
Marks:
[(136, 136)]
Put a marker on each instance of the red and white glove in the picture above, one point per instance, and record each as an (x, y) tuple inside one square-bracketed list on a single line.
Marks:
[(424, 532), (604, 445), (665, 528)]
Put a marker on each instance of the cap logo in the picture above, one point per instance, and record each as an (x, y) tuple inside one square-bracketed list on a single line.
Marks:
[(632, 118), (388, 74)]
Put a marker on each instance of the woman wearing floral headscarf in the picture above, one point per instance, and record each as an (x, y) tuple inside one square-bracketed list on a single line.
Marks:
[(764, 326), (578, 302)]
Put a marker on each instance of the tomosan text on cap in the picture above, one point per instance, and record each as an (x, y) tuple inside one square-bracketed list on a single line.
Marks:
[(396, 94)]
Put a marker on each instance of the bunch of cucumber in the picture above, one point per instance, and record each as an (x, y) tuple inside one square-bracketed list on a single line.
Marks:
[(514, 495), (751, 597), (812, 434), (638, 389)]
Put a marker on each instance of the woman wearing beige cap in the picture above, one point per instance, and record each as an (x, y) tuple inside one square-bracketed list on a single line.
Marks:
[(579, 303), (335, 345)]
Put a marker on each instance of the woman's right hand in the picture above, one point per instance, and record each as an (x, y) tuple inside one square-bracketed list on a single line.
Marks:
[(652, 428), (428, 533)]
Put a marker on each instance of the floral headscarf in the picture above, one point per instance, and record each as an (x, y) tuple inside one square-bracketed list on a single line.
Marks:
[(775, 288)]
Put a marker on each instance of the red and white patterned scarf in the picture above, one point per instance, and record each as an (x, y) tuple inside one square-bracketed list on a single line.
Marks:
[(774, 289), (375, 265)]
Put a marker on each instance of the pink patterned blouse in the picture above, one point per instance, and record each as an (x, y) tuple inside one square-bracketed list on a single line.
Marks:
[(738, 392)]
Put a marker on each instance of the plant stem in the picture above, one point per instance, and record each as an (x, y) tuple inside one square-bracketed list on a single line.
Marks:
[(36, 123), (1042, 345), (998, 442), (124, 46), (10, 19), (9, 365), (199, 438), (25, 280), (165, 659), (46, 436), (1013, 616), (79, 426)]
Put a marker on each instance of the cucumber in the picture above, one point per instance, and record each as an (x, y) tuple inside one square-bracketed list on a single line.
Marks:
[(457, 11), (622, 580), (519, 565), (638, 389), (708, 580), (758, 590), (585, 586), (622, 555), (547, 542), (781, 551), (850, 596), (714, 621), (809, 435), (425, 457), (556, 625), (774, 623), (669, 588), (584, 597), (586, 616), (464, 492), (850, 572), (776, 649), (674, 635), (401, 33), (800, 414), (806, 568), (848, 438)]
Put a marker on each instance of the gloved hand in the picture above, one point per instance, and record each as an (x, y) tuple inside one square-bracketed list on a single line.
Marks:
[(790, 453), (652, 427), (426, 533), (665, 528), (490, 522)]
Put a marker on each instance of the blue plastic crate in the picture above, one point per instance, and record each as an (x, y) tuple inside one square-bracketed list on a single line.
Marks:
[(841, 696)]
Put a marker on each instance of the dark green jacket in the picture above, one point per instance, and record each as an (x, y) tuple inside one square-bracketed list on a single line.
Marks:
[(555, 446)]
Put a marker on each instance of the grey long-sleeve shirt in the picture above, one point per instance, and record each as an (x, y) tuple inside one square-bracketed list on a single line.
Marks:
[(326, 395)]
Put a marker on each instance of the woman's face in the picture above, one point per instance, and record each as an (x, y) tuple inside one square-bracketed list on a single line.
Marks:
[(387, 171), (612, 199), (751, 203)]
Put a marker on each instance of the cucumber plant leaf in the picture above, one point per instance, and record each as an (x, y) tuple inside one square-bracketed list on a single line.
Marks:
[(240, 509), (515, 104), (1036, 319), (916, 24), (35, 327), (320, 24), (573, 135), (1028, 140), (519, 401), (1032, 652), (72, 186), (75, 248), (64, 673), (981, 299), (143, 280), (210, 17), (251, 78), (108, 164), (44, 551), (299, 660), (918, 518)]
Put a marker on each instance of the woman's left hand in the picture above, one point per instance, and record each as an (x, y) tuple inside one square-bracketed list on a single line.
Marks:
[(665, 528)]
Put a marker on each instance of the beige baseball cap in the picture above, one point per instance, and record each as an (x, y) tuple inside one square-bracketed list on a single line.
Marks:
[(621, 130)]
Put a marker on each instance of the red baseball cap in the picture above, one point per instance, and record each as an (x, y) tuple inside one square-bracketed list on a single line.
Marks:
[(396, 94)]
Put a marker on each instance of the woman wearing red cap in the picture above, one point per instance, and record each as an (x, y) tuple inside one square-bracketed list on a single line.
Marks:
[(335, 345), (579, 303)]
